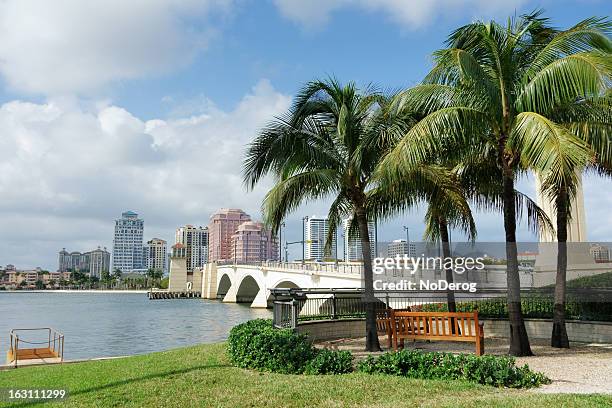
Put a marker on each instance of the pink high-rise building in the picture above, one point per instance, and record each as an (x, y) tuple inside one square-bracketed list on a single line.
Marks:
[(223, 224), (253, 242)]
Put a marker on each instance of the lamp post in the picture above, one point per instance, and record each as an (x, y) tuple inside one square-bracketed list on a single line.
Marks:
[(304, 219), (336, 248), (375, 236), (407, 239), (280, 241)]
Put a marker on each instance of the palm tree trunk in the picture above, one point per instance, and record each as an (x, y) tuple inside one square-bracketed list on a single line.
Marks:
[(559, 337), (444, 237), (519, 341), (372, 343)]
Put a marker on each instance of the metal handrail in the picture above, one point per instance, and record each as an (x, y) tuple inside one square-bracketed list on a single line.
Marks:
[(55, 342)]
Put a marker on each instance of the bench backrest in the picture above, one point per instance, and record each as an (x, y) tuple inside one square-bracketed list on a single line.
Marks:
[(460, 326)]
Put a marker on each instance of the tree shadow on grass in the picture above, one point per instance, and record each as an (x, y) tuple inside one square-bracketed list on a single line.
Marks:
[(125, 382)]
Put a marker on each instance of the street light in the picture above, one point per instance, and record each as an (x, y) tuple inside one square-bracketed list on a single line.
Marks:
[(280, 241), (304, 219), (407, 239)]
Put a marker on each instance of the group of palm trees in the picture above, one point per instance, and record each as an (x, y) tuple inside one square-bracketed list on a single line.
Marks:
[(501, 100)]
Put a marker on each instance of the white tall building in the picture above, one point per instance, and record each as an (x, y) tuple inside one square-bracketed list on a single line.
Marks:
[(352, 242), (401, 247), (315, 234), (195, 240), (156, 255), (127, 243)]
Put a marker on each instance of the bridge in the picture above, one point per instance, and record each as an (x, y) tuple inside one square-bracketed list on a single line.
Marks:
[(251, 283)]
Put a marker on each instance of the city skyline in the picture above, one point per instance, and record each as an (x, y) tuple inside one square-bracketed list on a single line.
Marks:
[(160, 124), (345, 250)]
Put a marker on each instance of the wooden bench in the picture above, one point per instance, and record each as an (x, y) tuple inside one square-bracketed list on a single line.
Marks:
[(383, 323), (459, 326)]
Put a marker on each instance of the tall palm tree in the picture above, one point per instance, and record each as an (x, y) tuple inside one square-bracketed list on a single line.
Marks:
[(447, 205), (590, 118), (328, 146), (496, 86)]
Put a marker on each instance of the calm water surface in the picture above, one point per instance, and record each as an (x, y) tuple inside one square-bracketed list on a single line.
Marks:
[(108, 324)]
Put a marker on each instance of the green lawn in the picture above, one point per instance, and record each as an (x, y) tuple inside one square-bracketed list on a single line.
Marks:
[(602, 280), (202, 376)]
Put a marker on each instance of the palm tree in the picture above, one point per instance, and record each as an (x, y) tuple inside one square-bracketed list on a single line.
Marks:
[(590, 118), (446, 200), (329, 145), (496, 86)]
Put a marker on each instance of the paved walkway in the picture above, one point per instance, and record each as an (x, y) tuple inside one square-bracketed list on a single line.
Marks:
[(584, 368)]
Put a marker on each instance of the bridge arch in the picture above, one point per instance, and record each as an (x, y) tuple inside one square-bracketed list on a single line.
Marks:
[(225, 283), (285, 283), (247, 290)]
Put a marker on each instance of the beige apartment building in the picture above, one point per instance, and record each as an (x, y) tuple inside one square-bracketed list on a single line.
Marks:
[(156, 255), (253, 242), (195, 241)]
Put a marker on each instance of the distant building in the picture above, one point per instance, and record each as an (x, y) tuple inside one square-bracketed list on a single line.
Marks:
[(252, 242), (99, 261), (93, 262), (223, 224), (156, 255), (127, 243), (600, 253), (352, 242), (401, 247), (315, 234), (195, 240)]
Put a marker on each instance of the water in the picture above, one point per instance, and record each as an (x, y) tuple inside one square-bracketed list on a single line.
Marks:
[(119, 324)]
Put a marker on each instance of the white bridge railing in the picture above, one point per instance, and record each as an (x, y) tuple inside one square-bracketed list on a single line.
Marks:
[(329, 267)]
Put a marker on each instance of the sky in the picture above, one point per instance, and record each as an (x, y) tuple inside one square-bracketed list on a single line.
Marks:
[(147, 105)]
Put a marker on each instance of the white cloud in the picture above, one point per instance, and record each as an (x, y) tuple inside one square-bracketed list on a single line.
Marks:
[(69, 170), (76, 46), (412, 14)]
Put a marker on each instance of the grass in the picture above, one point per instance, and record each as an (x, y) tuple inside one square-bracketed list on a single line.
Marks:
[(602, 280), (201, 376)]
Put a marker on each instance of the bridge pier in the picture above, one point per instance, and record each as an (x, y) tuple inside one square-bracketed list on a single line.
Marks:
[(230, 296), (261, 300), (209, 281)]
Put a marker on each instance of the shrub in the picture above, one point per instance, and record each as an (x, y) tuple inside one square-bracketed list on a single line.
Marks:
[(256, 344), (499, 371), (330, 362)]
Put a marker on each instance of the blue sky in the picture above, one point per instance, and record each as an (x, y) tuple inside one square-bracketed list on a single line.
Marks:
[(255, 41), (146, 105)]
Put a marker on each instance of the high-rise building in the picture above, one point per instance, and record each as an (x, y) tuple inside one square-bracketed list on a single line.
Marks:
[(223, 224), (401, 247), (352, 242), (93, 262), (99, 261), (156, 255), (127, 243), (315, 235), (195, 240), (252, 242)]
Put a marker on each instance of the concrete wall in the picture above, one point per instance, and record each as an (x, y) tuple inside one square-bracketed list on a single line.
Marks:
[(330, 330), (587, 332)]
